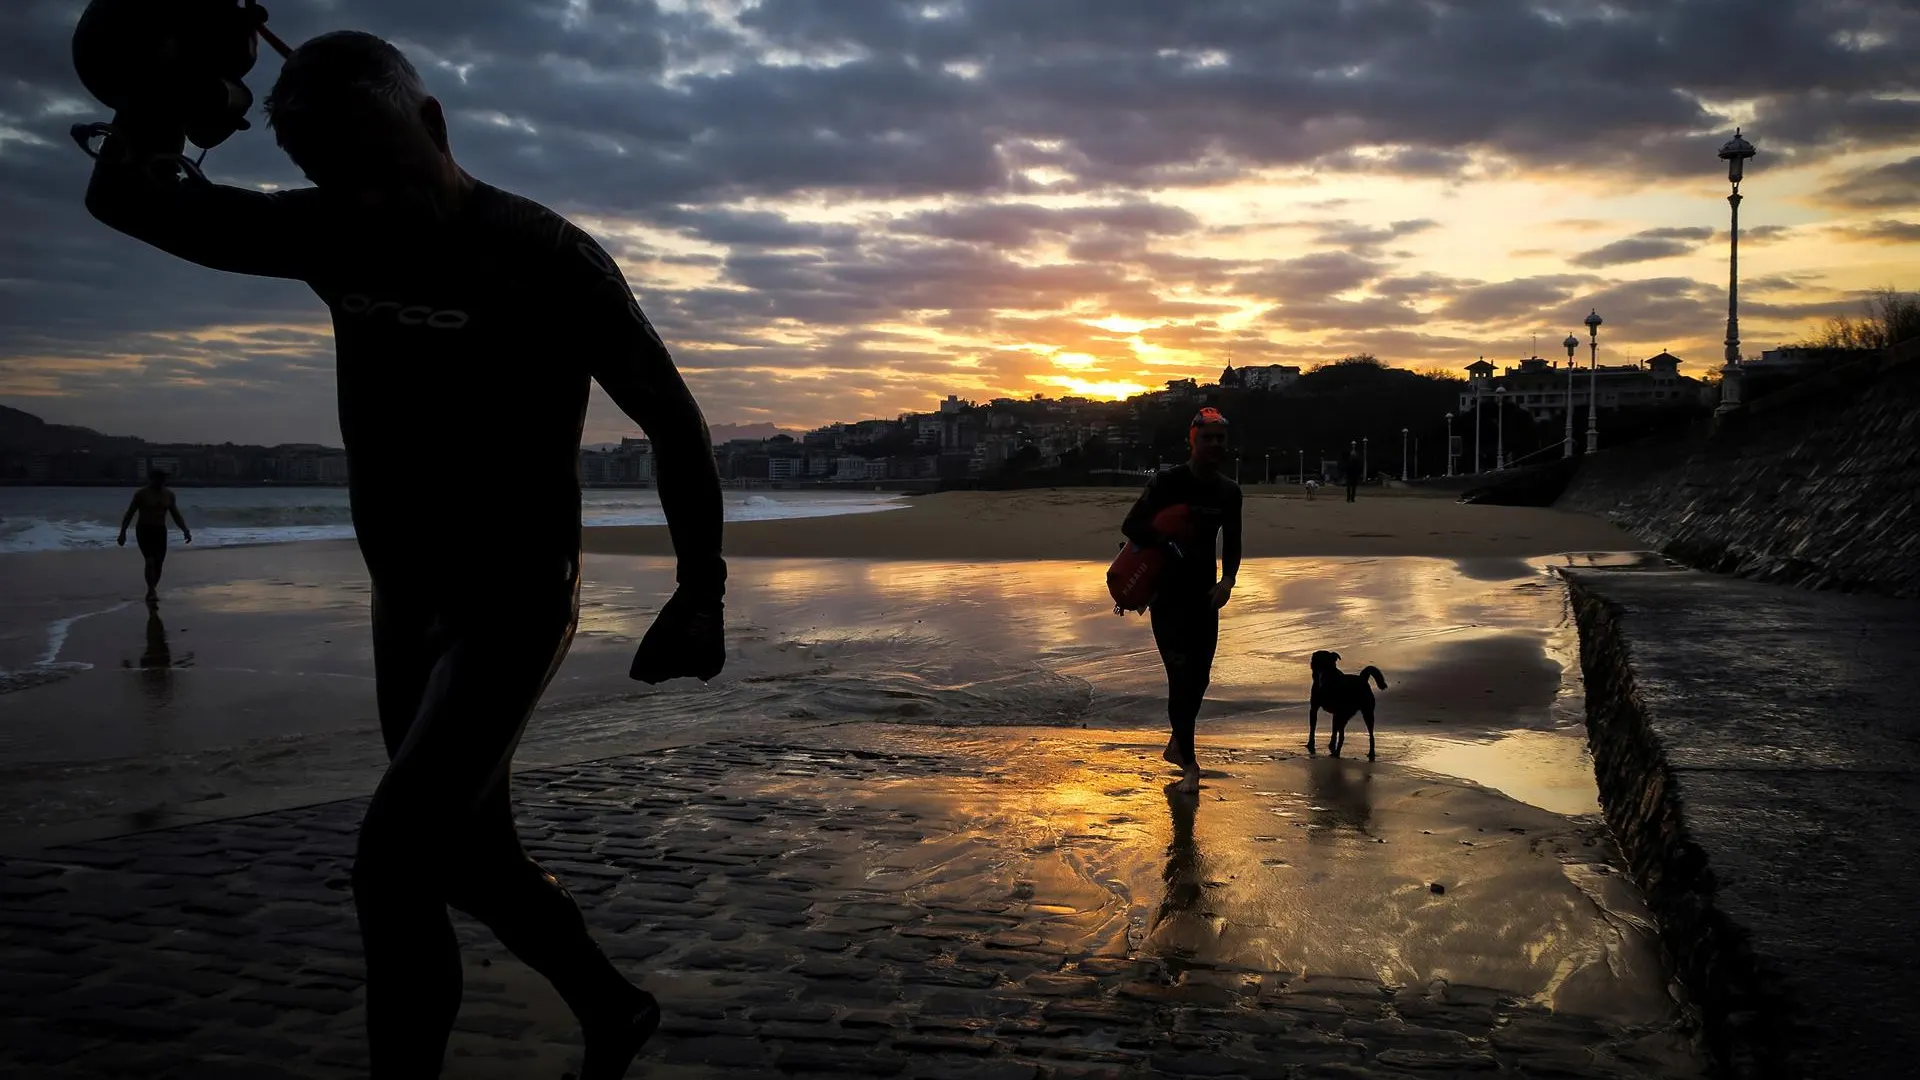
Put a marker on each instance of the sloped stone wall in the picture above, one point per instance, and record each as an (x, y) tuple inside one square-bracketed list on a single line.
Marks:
[(1813, 486)]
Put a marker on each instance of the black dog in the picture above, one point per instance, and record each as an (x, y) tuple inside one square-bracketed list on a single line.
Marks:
[(1341, 695)]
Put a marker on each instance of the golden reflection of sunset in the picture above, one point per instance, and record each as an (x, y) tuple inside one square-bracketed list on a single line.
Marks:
[(1282, 610)]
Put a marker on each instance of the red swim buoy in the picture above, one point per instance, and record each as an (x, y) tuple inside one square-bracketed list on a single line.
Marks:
[(1134, 576)]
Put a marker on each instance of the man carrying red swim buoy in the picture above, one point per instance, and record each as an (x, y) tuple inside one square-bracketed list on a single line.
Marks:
[(1186, 607)]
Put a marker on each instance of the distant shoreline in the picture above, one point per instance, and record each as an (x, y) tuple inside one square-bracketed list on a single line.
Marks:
[(896, 487), (127, 483)]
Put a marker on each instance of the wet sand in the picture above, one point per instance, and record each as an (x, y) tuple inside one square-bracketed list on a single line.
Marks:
[(253, 688), (876, 899), (253, 692), (1084, 523)]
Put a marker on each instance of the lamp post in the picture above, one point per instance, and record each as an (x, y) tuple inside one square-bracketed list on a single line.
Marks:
[(1449, 444), (1476, 425), (1593, 382), (1735, 153), (1366, 456), (1303, 465), (1500, 444), (1269, 479), (1572, 345), (1403, 455)]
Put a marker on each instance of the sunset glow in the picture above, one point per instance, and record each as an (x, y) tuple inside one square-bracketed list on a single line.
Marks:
[(831, 216)]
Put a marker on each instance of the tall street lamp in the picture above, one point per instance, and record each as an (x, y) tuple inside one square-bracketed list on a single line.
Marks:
[(1303, 465), (1449, 444), (1500, 447), (1476, 425), (1366, 456), (1593, 321), (1269, 479), (1403, 455), (1572, 345), (1735, 153)]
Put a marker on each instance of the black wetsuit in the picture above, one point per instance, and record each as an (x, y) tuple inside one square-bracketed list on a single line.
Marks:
[(465, 349), (1353, 478), (1186, 624)]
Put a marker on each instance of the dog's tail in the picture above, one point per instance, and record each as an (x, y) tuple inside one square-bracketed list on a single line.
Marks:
[(1371, 672)]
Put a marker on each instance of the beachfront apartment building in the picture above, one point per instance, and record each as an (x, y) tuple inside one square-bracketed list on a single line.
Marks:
[(1541, 386)]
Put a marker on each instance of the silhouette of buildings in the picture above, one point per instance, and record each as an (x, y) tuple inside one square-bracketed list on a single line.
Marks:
[(1540, 386)]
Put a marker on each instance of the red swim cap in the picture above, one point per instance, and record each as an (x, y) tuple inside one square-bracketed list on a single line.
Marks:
[(1207, 417)]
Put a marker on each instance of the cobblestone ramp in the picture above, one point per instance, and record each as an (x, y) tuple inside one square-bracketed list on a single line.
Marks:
[(1758, 754), (229, 949)]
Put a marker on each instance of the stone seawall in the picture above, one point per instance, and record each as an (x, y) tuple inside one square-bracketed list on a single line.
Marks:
[(1813, 486), (1641, 795)]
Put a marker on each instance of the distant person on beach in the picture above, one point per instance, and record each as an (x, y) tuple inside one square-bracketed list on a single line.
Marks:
[(1353, 476), (152, 505), (457, 307), (1186, 611)]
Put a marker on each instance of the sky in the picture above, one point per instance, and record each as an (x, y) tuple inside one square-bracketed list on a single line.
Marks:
[(836, 209)]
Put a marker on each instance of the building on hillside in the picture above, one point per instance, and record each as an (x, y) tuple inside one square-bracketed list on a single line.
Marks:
[(1540, 386), (1262, 377), (1177, 390)]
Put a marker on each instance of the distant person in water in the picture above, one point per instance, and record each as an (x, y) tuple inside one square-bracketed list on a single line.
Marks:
[(152, 505), (456, 307), (1186, 611)]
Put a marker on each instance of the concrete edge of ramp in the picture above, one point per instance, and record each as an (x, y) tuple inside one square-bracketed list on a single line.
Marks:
[(1742, 1014)]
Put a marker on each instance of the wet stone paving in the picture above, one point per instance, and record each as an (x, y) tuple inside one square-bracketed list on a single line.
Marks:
[(229, 950)]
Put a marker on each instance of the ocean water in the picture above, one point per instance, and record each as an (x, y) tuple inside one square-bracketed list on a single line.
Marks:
[(77, 518)]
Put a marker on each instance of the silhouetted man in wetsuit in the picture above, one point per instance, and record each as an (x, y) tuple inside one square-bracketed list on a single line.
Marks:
[(1352, 477), (152, 505), (1186, 610), (460, 311)]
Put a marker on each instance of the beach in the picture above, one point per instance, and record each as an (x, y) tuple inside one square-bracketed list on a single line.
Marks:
[(1083, 523), (949, 673)]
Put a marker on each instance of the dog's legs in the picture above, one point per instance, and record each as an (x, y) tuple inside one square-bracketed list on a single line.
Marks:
[(1313, 718), (1337, 733), (1368, 714)]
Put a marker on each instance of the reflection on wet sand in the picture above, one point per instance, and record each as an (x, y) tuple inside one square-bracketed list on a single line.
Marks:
[(1181, 904), (1341, 794), (283, 656), (1280, 864), (156, 660), (155, 665)]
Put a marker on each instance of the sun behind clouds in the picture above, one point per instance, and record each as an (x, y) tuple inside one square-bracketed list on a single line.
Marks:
[(834, 211)]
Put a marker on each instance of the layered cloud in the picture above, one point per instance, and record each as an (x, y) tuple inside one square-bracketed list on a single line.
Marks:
[(838, 208)]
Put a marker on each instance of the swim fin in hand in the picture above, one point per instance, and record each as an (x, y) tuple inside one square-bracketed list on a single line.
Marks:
[(687, 639)]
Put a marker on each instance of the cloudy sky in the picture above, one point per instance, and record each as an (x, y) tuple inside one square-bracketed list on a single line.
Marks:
[(843, 208)]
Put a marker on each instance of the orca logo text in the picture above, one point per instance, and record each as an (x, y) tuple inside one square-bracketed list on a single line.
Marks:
[(404, 314)]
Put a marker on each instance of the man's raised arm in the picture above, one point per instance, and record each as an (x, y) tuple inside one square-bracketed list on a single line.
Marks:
[(140, 188)]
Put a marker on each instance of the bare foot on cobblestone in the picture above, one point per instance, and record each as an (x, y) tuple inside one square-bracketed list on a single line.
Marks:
[(613, 1042)]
